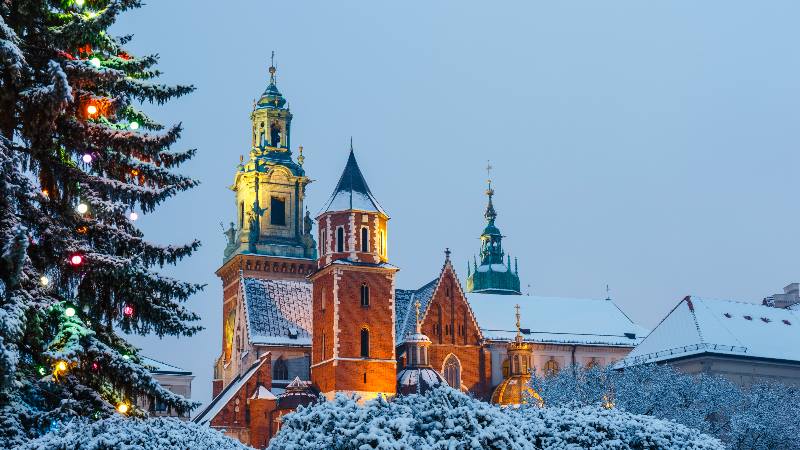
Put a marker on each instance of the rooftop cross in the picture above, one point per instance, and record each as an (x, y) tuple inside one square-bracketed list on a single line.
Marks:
[(519, 334), (447, 253), (272, 69), (489, 167), (419, 327)]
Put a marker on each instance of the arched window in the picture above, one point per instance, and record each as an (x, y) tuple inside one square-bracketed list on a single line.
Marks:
[(364, 343), (340, 239), (506, 368), (323, 245), (364, 239), (551, 367), (452, 371), (382, 243), (275, 134), (364, 294), (279, 370)]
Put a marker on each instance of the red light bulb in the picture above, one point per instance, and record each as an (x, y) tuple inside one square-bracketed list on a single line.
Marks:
[(76, 260), (127, 310)]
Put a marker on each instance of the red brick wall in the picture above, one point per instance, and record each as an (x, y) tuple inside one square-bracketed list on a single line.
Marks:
[(352, 223), (261, 425), (229, 417), (449, 324)]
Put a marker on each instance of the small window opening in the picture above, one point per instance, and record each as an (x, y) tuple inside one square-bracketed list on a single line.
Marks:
[(364, 344), (364, 239), (364, 294), (340, 239), (277, 214)]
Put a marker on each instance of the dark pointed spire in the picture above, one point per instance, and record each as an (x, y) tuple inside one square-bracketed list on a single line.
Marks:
[(352, 191)]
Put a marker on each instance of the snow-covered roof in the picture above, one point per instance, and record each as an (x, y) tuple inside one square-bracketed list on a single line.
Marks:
[(698, 325), (278, 311), (352, 191), (207, 415), (162, 368), (555, 320), (263, 393), (405, 310)]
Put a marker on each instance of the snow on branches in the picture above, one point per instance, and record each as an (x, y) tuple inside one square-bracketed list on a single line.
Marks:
[(448, 419)]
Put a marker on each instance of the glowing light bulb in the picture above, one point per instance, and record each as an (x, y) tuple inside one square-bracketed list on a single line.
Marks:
[(133, 215), (76, 260), (91, 110), (126, 357), (134, 125), (87, 158), (69, 311), (95, 366), (79, 3), (82, 208), (95, 61), (127, 310), (41, 371), (44, 280), (122, 408), (61, 366)]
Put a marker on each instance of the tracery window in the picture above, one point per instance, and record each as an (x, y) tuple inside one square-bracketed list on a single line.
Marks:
[(452, 371)]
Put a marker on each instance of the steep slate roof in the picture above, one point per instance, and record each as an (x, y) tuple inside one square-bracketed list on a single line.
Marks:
[(705, 326), (405, 311), (278, 312), (217, 403), (352, 191), (555, 320)]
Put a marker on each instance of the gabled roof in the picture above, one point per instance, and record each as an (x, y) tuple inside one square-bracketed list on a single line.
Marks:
[(278, 312), (209, 412), (352, 191), (405, 310), (555, 320), (698, 326)]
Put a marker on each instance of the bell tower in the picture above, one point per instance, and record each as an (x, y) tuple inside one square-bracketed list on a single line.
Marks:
[(270, 186), (353, 337)]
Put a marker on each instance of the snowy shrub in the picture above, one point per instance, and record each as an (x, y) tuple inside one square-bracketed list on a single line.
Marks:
[(447, 419), (133, 434), (754, 418)]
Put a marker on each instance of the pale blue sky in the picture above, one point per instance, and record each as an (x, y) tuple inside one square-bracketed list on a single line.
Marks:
[(652, 146)]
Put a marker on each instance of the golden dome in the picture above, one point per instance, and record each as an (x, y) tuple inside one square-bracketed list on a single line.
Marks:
[(515, 391)]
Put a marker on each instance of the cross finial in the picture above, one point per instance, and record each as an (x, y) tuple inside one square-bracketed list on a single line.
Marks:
[(489, 168), (608, 292), (419, 327), (272, 69), (447, 254), (519, 334)]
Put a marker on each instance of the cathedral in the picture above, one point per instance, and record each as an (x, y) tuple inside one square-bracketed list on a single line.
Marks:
[(310, 306)]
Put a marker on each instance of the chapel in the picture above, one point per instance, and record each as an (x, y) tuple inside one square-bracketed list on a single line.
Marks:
[(310, 306)]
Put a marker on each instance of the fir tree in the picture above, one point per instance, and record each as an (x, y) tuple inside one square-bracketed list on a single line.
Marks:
[(77, 159)]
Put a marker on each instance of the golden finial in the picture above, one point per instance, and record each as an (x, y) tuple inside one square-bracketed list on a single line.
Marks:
[(489, 168), (419, 326), (519, 334), (241, 159), (272, 69), (300, 157)]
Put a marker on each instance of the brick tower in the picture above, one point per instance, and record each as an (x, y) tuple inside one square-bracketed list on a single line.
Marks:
[(353, 347)]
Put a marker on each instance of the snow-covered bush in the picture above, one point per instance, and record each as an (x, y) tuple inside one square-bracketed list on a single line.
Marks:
[(447, 419), (118, 432), (754, 418)]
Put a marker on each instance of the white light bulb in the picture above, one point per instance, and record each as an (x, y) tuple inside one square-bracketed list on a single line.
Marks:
[(44, 280), (87, 158), (82, 208), (134, 125), (133, 215), (95, 61)]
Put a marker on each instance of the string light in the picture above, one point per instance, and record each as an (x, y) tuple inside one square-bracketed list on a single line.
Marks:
[(134, 125), (79, 3), (87, 158), (83, 229), (133, 216), (82, 208), (95, 366), (41, 370), (126, 356), (95, 61), (61, 366), (127, 310), (134, 172), (91, 110), (69, 311), (44, 280), (76, 260), (122, 408)]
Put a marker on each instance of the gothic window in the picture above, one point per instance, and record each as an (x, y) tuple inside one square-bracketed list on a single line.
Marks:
[(364, 343), (277, 214), (279, 370), (323, 245), (340, 239), (452, 371), (364, 239), (364, 294), (275, 134), (439, 321), (551, 367)]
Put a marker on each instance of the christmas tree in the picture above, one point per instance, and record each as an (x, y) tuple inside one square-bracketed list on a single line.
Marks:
[(78, 163)]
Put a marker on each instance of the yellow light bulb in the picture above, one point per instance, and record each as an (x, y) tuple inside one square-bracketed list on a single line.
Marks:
[(91, 109), (61, 366), (122, 408), (79, 3)]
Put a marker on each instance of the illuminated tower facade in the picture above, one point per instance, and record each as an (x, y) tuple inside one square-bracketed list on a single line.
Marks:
[(353, 337)]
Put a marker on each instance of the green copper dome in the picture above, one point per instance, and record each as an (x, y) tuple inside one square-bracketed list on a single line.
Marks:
[(272, 97)]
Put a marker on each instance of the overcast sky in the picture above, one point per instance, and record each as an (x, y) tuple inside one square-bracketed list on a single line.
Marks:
[(650, 146)]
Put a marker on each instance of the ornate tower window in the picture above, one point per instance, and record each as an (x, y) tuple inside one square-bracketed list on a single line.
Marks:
[(364, 343), (275, 134), (340, 239), (452, 371), (364, 239), (364, 294), (277, 214)]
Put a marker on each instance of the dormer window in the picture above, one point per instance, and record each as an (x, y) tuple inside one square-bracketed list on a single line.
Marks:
[(364, 239)]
